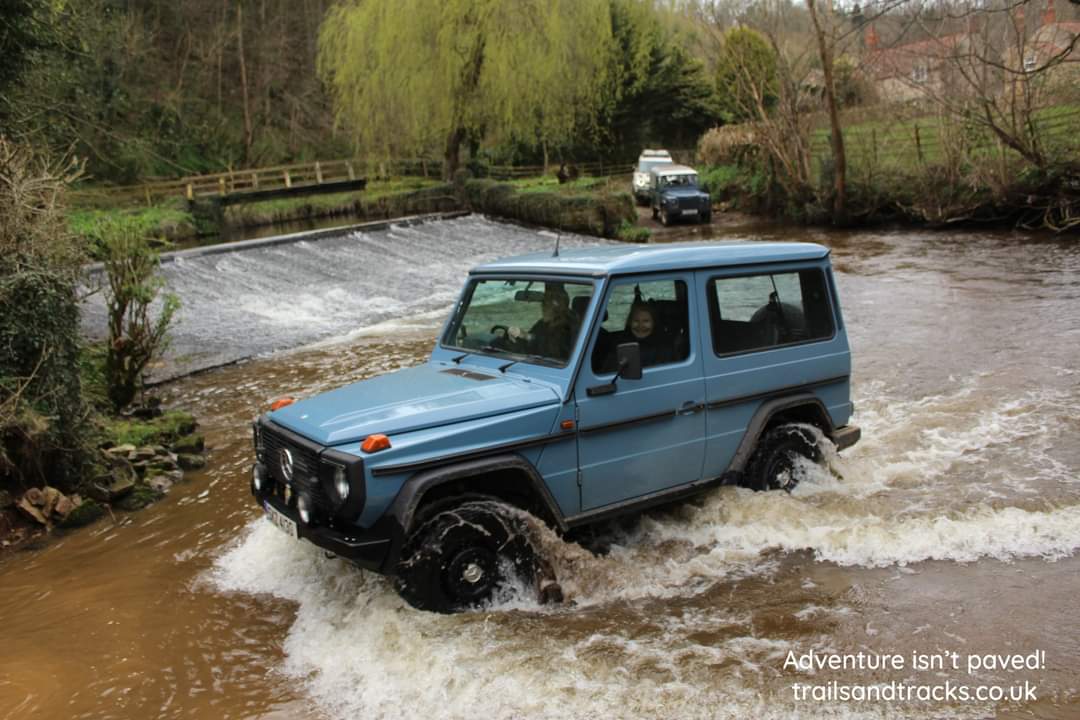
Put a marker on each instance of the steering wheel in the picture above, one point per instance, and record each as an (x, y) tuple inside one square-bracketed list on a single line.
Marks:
[(505, 341)]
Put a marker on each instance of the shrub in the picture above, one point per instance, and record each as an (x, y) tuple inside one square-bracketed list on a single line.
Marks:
[(42, 428), (600, 213), (629, 232), (134, 337)]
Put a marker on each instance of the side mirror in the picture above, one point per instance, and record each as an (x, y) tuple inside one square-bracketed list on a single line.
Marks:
[(629, 358)]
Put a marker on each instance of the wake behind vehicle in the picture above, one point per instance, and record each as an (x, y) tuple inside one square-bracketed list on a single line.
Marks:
[(576, 388)]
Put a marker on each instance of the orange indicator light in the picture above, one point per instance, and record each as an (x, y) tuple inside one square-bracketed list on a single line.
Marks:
[(375, 443), (567, 424), (281, 402)]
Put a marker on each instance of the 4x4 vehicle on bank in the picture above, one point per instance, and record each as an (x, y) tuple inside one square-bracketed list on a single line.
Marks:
[(646, 162), (576, 387), (675, 194)]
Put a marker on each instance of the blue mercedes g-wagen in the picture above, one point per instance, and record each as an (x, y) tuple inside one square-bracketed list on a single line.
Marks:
[(576, 387)]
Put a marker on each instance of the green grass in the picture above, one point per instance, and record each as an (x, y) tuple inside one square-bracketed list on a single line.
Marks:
[(892, 143), (379, 199), (162, 223), (586, 185), (167, 428)]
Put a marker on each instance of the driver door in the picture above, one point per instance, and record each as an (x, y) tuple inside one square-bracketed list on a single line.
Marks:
[(649, 434)]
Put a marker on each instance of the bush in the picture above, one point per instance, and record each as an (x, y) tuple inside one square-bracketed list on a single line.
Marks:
[(600, 213), (134, 337), (42, 427), (629, 232)]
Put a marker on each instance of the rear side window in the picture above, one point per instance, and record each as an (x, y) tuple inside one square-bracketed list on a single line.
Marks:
[(757, 312)]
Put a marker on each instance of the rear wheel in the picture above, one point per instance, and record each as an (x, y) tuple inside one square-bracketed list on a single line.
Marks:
[(773, 466), (459, 558)]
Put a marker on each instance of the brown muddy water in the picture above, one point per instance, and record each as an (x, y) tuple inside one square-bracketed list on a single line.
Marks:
[(952, 527)]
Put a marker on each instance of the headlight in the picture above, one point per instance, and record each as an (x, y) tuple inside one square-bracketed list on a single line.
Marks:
[(303, 506), (341, 484)]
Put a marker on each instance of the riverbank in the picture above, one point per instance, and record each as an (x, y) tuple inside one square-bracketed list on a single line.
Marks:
[(140, 456), (599, 206)]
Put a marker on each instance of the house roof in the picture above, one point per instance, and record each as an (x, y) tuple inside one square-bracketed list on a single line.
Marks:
[(901, 60)]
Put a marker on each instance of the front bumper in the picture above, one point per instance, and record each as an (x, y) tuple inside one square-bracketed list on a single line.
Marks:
[(375, 548)]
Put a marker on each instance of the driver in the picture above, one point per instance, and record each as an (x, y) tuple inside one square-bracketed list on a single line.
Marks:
[(553, 333)]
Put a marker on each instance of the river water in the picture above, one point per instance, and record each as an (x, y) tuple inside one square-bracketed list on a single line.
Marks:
[(952, 527)]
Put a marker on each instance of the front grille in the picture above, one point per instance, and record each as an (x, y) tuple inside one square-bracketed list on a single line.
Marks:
[(690, 203), (305, 477)]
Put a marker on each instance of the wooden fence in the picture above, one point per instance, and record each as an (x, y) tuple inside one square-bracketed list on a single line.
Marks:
[(309, 175)]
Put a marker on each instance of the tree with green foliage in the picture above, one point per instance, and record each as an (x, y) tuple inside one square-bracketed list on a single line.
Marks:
[(746, 75), (656, 93), (409, 76), (135, 338)]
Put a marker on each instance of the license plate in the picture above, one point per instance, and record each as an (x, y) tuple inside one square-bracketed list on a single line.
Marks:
[(282, 523), (690, 211)]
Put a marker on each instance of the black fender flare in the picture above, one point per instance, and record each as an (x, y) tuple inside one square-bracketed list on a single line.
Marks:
[(764, 414), (408, 500)]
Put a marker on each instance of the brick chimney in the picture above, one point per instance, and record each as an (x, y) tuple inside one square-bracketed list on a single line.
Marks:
[(1049, 15)]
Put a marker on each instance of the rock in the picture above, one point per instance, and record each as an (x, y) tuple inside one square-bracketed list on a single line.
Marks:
[(6, 500), (83, 514), (164, 463), (121, 469), (31, 511), (189, 461), (124, 449), (63, 508), (142, 496), (34, 496), (52, 496), (175, 475), (143, 453), (189, 444), (160, 483), (121, 487)]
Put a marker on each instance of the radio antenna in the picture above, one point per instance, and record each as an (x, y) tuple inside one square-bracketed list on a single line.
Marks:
[(558, 237)]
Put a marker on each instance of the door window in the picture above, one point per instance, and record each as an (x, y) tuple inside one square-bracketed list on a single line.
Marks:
[(652, 314)]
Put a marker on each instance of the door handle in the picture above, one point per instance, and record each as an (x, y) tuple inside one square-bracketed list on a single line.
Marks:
[(689, 408)]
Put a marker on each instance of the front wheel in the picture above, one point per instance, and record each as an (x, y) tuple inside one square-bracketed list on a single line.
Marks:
[(665, 220), (773, 464), (459, 558)]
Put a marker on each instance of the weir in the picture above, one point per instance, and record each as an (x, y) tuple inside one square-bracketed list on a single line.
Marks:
[(256, 297)]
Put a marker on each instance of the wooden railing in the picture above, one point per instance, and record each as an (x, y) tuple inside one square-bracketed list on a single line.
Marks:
[(301, 175)]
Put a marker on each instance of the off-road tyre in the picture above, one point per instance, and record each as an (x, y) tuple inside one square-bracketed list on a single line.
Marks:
[(772, 466), (459, 557)]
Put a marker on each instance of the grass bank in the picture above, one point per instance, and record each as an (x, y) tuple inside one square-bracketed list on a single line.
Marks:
[(592, 206), (380, 200)]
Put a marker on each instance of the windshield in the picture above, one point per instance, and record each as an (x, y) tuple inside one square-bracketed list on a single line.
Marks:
[(529, 320), (684, 180)]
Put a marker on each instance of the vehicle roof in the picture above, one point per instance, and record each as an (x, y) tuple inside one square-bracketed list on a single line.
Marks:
[(654, 154), (623, 258), (672, 169)]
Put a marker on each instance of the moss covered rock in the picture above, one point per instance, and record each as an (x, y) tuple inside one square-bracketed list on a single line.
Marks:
[(141, 496), (84, 514)]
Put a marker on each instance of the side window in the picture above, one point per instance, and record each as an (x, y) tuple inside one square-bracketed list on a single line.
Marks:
[(653, 314), (756, 312)]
